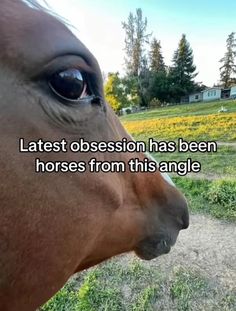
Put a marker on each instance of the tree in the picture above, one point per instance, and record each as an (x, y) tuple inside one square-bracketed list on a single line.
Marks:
[(143, 83), (182, 73), (114, 92), (155, 56), (135, 40), (228, 68), (131, 87), (159, 87)]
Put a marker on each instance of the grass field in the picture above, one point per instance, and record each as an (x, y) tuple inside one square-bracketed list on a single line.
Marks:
[(196, 122), (132, 285), (213, 165), (211, 127), (183, 110), (214, 197)]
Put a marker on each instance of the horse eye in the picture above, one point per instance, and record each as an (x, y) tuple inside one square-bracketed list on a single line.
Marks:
[(68, 84)]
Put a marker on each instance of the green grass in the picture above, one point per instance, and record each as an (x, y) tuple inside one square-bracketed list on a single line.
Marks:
[(135, 286), (191, 122), (109, 287), (187, 286), (94, 295), (182, 110), (216, 198), (192, 291), (65, 299), (217, 127), (146, 299), (220, 164), (202, 188)]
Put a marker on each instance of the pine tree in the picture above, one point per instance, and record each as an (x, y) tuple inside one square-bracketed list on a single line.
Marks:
[(158, 88), (155, 56), (182, 73), (135, 39), (143, 82), (228, 69), (129, 43)]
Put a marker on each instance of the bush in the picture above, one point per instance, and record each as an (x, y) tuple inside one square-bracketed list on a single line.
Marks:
[(223, 192), (217, 197), (155, 102)]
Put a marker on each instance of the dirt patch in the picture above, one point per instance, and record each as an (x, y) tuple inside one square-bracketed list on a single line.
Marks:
[(208, 246), (199, 274)]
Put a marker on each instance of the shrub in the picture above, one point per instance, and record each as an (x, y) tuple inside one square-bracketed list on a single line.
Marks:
[(155, 102), (223, 192)]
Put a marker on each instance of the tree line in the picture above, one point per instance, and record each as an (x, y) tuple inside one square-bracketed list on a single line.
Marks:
[(148, 81)]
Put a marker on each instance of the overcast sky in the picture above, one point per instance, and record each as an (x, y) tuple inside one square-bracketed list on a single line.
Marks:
[(206, 24)]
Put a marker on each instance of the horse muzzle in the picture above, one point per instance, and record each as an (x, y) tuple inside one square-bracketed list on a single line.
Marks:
[(153, 247)]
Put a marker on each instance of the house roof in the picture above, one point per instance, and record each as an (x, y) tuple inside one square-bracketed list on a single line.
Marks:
[(212, 88)]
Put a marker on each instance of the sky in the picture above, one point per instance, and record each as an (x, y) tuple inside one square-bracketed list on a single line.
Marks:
[(206, 24)]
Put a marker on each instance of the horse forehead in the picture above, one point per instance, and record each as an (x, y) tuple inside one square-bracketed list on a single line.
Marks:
[(32, 35)]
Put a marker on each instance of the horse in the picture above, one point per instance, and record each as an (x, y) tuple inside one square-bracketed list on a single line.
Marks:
[(53, 225)]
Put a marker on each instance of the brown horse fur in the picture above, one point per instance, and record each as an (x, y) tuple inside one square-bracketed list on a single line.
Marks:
[(53, 225)]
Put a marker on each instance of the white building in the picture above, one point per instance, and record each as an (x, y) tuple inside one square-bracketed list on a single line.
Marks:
[(233, 92), (213, 93), (196, 97)]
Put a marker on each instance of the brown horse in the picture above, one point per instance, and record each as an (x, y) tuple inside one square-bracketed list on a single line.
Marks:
[(55, 224)]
